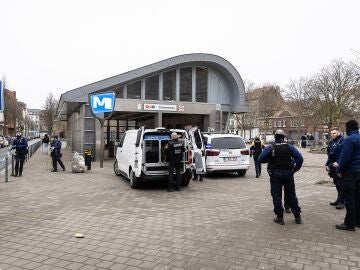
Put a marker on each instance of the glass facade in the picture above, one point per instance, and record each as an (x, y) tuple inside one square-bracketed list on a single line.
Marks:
[(119, 92), (169, 85), (201, 84), (152, 88), (186, 84), (134, 90)]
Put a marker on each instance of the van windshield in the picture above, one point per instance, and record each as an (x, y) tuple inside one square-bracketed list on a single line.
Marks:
[(228, 143)]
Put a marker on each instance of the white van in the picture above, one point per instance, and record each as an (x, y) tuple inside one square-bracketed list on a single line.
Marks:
[(140, 155), (227, 153)]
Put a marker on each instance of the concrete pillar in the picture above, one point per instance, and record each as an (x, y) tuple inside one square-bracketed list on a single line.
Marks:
[(158, 120)]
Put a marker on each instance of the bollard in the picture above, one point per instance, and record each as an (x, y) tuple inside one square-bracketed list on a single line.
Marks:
[(87, 154), (12, 165), (6, 168)]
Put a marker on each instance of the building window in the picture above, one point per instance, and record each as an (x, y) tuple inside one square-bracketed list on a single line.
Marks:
[(279, 123), (119, 92), (152, 88), (134, 90), (275, 124), (186, 84), (284, 123), (169, 85), (201, 84)]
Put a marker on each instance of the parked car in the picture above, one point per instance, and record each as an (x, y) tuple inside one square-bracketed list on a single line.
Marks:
[(140, 156), (226, 153)]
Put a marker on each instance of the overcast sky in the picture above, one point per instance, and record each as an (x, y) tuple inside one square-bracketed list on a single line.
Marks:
[(56, 46)]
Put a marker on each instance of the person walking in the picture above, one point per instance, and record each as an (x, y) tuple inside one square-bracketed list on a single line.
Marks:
[(45, 144), (56, 154), (333, 150), (348, 171), (255, 150), (283, 160), (175, 150), (21, 150)]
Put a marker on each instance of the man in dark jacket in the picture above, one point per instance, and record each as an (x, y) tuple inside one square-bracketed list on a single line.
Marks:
[(283, 160), (255, 150), (334, 149), (56, 154), (348, 171), (175, 150), (21, 150)]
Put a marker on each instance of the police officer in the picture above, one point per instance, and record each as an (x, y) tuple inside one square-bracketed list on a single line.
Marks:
[(348, 171), (175, 150), (334, 149), (56, 153), (283, 160), (255, 150), (21, 146)]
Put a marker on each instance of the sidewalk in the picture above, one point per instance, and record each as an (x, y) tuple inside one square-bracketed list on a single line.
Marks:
[(222, 223)]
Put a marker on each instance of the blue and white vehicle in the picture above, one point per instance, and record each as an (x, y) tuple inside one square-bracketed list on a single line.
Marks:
[(226, 153)]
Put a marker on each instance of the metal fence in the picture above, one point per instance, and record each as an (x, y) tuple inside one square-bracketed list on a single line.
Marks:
[(7, 157)]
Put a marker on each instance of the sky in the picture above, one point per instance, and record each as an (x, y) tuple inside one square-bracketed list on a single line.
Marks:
[(56, 46)]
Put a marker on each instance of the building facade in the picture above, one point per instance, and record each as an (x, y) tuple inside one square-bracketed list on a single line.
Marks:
[(194, 89)]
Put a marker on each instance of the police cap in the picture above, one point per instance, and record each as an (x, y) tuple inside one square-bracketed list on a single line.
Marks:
[(280, 132)]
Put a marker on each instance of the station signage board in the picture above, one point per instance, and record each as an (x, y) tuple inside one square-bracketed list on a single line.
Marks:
[(159, 107)]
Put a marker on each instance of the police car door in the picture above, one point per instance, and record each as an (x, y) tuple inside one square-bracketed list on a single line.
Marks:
[(198, 150)]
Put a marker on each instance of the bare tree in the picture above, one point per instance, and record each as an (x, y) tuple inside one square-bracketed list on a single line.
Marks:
[(334, 90), (48, 113)]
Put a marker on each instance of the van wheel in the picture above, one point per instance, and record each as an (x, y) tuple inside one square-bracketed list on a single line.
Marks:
[(133, 181), (186, 178), (116, 168), (241, 172)]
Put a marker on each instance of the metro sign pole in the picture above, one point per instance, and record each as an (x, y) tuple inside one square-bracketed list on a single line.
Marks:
[(101, 103)]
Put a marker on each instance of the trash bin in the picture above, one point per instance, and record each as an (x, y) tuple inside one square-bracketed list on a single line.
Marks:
[(111, 147), (87, 155)]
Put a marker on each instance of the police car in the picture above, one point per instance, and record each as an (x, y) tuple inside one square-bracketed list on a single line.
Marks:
[(226, 153)]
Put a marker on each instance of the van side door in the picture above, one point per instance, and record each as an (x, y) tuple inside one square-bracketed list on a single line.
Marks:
[(120, 154)]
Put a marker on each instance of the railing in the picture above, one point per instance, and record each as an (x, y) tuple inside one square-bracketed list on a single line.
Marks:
[(4, 159)]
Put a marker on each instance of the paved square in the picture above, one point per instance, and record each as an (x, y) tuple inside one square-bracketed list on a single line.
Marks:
[(224, 222)]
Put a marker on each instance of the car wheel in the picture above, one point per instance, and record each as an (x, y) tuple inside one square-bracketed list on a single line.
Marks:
[(133, 181), (241, 172), (116, 168)]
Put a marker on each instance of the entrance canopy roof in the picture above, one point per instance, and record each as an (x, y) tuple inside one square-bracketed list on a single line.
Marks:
[(238, 103)]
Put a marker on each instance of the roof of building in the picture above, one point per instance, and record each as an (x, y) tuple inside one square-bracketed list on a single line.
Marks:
[(81, 94)]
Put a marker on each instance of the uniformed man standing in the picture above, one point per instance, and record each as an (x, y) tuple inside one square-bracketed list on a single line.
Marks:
[(21, 150), (348, 171), (56, 154), (175, 151), (283, 160), (334, 150)]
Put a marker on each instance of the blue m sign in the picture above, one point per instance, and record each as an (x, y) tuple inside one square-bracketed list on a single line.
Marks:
[(102, 103)]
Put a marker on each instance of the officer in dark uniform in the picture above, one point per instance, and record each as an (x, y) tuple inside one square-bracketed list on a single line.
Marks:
[(56, 153), (255, 150), (334, 149), (283, 160), (21, 146), (348, 170), (175, 151)]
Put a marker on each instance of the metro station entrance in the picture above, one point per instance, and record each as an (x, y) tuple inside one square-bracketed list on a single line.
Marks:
[(122, 121)]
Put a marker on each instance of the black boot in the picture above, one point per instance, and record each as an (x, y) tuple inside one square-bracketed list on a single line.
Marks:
[(279, 220), (345, 227), (298, 220), (335, 203)]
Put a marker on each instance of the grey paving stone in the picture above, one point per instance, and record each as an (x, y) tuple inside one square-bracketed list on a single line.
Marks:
[(223, 223)]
